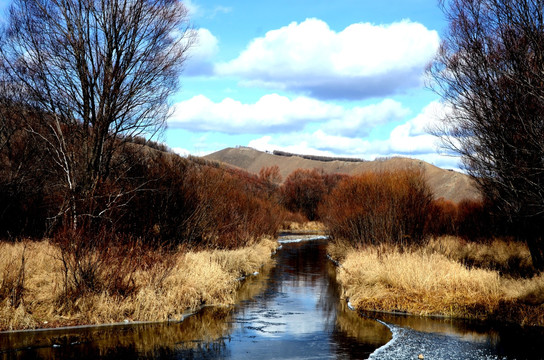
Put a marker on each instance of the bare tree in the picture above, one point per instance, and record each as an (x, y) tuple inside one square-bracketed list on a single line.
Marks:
[(490, 70), (98, 72)]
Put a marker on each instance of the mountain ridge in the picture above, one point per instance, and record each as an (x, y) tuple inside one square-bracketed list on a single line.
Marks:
[(448, 184)]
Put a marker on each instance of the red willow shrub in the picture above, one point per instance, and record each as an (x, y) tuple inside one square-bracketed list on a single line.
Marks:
[(233, 208), (155, 196), (473, 220), (377, 208), (199, 204), (443, 217), (304, 190)]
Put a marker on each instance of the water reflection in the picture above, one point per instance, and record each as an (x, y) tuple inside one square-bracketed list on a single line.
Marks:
[(290, 310)]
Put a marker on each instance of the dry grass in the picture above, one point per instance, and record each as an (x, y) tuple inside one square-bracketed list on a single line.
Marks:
[(432, 281), (164, 290), (307, 226), (508, 257)]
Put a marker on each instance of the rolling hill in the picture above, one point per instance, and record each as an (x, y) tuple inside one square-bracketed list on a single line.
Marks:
[(448, 184)]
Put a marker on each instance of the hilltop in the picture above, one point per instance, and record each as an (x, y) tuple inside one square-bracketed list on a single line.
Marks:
[(448, 184)]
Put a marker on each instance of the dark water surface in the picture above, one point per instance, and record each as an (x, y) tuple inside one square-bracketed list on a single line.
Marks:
[(291, 310)]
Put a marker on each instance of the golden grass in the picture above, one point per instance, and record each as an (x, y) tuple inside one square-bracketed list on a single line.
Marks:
[(427, 281), (166, 290), (308, 226), (498, 254)]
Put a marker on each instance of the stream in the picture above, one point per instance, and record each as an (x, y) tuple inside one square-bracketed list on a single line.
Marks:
[(290, 310)]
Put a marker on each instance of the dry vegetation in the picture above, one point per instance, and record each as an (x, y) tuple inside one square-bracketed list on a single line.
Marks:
[(437, 280), (159, 290), (305, 227), (120, 251), (450, 185), (376, 208), (401, 251)]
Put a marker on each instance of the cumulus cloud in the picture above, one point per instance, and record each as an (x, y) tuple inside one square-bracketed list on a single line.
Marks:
[(363, 60), (275, 113), (413, 136), (409, 139), (201, 54), (359, 121)]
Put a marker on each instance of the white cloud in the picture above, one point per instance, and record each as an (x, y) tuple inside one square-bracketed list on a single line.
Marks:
[(363, 60), (181, 151), (201, 54), (220, 9), (193, 8), (196, 11), (274, 113), (359, 121), (413, 137), (409, 139)]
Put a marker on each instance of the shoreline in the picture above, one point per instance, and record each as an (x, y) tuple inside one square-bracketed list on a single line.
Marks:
[(404, 284), (189, 281), (116, 324)]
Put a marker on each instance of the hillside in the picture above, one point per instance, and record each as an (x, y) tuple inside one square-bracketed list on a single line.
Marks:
[(448, 184)]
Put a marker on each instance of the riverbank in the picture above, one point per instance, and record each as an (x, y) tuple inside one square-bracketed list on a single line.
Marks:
[(435, 280), (161, 291)]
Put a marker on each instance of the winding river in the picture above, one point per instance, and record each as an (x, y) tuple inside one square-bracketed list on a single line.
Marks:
[(291, 310)]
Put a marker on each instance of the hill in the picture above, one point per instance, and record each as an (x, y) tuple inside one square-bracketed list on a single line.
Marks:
[(449, 184)]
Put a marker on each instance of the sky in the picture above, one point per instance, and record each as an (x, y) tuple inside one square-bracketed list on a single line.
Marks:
[(336, 78)]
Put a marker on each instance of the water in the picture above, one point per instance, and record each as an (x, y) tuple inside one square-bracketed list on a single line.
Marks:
[(444, 338), (291, 310)]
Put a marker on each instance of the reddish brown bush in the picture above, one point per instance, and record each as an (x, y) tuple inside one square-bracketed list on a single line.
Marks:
[(101, 262), (270, 174), (375, 208), (232, 209), (443, 217), (201, 204), (303, 190), (474, 220)]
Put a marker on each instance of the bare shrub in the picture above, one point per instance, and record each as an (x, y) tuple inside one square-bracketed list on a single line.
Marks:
[(375, 208), (442, 217), (94, 264), (474, 221), (270, 174), (172, 200), (303, 190), (233, 208)]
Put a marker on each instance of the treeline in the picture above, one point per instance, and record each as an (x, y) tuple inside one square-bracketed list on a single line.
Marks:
[(396, 208), (317, 157), (150, 194)]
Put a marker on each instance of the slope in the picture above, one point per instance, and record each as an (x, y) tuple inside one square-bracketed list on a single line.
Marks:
[(448, 184)]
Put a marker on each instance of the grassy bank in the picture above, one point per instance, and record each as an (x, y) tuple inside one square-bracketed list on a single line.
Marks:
[(33, 291), (447, 277), (306, 227)]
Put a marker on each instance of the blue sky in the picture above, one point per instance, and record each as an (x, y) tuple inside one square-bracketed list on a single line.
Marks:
[(342, 78), (339, 78)]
